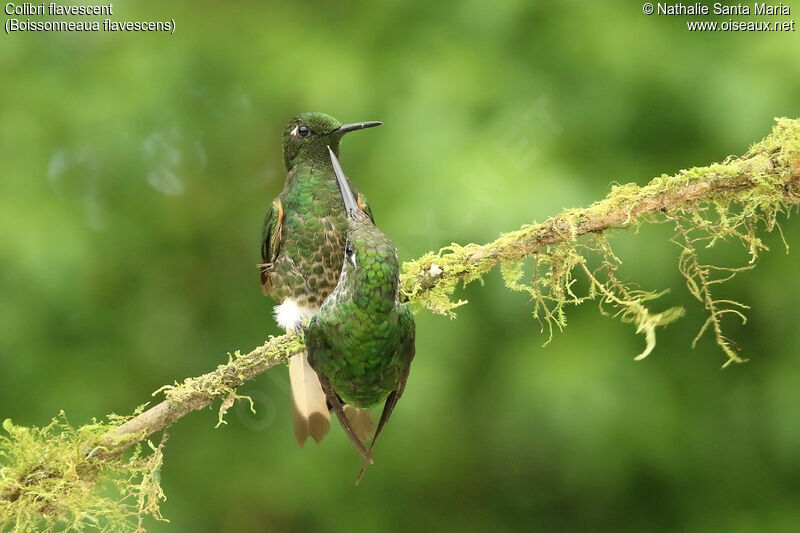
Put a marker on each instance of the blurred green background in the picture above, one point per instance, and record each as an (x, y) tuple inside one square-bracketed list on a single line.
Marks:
[(136, 171)]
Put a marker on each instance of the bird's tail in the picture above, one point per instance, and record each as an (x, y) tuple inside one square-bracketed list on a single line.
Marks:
[(361, 421), (311, 415)]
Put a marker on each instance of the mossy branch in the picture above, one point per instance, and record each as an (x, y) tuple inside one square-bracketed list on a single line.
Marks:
[(46, 474), (763, 182)]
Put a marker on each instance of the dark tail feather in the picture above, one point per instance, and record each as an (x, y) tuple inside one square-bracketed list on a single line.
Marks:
[(388, 407)]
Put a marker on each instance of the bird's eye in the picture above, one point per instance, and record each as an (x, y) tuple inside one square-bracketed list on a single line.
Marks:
[(303, 131)]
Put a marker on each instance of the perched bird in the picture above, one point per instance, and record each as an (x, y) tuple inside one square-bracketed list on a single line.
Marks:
[(361, 342), (302, 251)]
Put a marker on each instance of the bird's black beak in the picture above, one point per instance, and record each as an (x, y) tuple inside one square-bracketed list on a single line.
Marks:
[(344, 128)]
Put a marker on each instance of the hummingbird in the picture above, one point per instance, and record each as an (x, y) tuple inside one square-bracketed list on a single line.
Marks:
[(302, 250), (361, 342)]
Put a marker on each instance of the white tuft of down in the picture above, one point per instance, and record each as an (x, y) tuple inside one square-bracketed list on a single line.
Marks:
[(311, 409), (289, 315)]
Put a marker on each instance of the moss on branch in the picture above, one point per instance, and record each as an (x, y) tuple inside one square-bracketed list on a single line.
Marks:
[(49, 476)]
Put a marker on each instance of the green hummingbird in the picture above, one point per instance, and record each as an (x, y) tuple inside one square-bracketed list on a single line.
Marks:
[(302, 251), (361, 342)]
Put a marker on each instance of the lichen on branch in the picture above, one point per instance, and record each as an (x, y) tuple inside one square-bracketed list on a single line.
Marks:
[(47, 479), (49, 476), (733, 200)]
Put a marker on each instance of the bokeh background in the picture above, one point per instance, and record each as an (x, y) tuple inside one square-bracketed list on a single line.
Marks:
[(136, 171)]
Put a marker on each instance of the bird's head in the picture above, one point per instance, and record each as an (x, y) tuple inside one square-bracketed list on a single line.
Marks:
[(307, 136)]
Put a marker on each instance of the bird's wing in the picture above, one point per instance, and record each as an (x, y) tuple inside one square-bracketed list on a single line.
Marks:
[(270, 243), (403, 357), (338, 408)]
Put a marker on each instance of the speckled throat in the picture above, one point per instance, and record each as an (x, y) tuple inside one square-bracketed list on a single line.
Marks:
[(310, 257)]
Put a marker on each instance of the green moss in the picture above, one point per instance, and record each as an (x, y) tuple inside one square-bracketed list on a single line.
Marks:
[(222, 382), (731, 201), (49, 480)]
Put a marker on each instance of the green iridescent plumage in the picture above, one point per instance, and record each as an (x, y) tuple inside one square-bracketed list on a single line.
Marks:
[(362, 338), (302, 251), (361, 343), (303, 238)]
